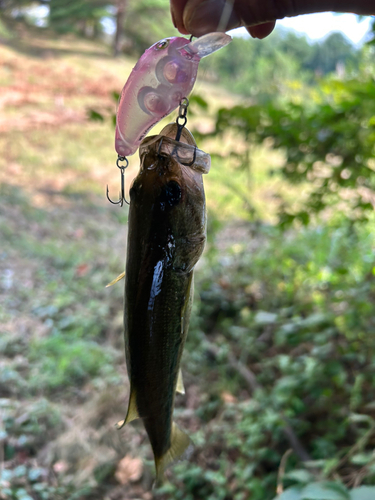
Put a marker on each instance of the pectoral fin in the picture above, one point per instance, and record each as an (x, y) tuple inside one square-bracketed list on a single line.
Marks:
[(132, 413), (119, 277), (180, 441), (180, 383)]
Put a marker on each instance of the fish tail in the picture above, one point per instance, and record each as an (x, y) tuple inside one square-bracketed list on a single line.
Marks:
[(180, 442)]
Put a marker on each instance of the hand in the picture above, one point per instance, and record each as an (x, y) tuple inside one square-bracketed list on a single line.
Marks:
[(198, 17)]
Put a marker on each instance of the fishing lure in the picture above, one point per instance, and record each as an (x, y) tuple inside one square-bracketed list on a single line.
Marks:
[(162, 77)]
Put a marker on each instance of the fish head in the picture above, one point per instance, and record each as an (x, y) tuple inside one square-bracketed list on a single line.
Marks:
[(168, 194), (171, 171)]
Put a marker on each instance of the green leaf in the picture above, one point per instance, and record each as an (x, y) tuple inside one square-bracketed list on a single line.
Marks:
[(115, 96), (6, 475), (358, 418), (339, 487), (20, 471), (330, 463), (21, 494), (304, 218), (35, 474), (95, 116), (321, 491), (363, 493), (293, 493), (362, 458), (197, 99), (299, 475), (265, 318), (313, 464)]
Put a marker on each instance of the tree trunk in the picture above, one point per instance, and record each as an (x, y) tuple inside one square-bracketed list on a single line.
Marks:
[(120, 17)]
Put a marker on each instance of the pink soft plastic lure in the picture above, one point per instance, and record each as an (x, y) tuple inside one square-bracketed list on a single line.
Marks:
[(164, 74)]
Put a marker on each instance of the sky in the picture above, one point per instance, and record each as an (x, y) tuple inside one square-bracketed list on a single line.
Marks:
[(317, 26)]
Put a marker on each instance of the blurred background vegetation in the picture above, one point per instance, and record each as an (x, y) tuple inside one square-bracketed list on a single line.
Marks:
[(279, 366)]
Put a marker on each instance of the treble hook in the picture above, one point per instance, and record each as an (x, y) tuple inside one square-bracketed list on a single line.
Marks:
[(122, 198), (175, 152), (190, 164)]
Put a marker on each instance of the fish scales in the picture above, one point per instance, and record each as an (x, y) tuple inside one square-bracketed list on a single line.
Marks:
[(167, 232)]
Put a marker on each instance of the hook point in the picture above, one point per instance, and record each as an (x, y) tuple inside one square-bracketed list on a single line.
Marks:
[(122, 198)]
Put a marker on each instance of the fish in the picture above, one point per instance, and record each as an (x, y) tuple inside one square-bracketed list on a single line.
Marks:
[(166, 237), (162, 77)]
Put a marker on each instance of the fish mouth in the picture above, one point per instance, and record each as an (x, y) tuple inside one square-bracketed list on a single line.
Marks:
[(185, 154)]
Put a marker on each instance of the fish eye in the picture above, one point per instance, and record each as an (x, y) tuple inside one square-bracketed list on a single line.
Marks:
[(171, 194), (163, 44)]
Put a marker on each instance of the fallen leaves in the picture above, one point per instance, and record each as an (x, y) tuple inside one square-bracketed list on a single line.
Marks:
[(129, 470)]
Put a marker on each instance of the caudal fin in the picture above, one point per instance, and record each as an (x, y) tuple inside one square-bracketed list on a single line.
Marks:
[(180, 442)]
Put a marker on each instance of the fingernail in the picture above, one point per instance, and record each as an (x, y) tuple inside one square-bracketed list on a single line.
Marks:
[(180, 27), (206, 17), (251, 32), (261, 30), (173, 19)]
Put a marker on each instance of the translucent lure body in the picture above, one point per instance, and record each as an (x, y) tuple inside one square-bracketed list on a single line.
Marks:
[(164, 74)]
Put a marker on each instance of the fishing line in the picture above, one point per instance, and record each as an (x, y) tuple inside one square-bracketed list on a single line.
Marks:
[(222, 25), (225, 15)]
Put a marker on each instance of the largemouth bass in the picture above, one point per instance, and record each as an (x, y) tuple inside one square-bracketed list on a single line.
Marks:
[(167, 233)]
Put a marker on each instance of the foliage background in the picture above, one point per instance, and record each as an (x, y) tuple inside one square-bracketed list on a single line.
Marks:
[(280, 354)]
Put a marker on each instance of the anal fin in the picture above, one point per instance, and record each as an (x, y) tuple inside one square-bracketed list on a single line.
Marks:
[(132, 413), (180, 383)]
